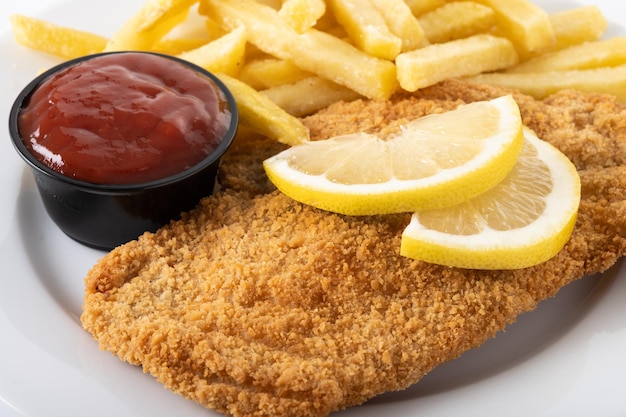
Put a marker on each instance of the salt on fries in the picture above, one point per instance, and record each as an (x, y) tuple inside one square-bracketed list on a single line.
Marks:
[(302, 15), (456, 20), (524, 23), (314, 51), (264, 116), (609, 80), (63, 42), (434, 63), (152, 22), (366, 27), (287, 58)]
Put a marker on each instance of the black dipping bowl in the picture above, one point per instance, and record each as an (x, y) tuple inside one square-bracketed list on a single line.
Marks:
[(104, 216)]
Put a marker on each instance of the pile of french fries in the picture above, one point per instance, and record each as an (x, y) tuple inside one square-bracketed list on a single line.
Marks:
[(284, 59)]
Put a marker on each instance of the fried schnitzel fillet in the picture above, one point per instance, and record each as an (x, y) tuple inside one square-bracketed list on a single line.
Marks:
[(256, 305)]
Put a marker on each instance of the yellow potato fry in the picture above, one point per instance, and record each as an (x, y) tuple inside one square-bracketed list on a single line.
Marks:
[(575, 26), (213, 29), (327, 22), (459, 58), (225, 54), (302, 15), (456, 20), (153, 21), (313, 51), (274, 4), (259, 113), (402, 23), (419, 7), (335, 30), (270, 72), (609, 80), (607, 53), (177, 46), (571, 27), (193, 26), (308, 95), (521, 21), (366, 27), (57, 40)]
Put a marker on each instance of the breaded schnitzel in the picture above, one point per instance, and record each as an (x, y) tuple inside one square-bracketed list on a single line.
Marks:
[(256, 305)]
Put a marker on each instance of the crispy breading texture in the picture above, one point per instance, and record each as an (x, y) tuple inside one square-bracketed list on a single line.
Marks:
[(256, 305)]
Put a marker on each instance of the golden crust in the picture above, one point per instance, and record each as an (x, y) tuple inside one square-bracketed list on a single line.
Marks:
[(255, 305)]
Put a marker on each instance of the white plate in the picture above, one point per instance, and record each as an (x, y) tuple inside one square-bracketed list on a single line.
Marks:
[(564, 359)]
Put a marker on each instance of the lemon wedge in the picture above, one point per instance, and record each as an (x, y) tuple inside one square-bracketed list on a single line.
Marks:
[(523, 221), (432, 162)]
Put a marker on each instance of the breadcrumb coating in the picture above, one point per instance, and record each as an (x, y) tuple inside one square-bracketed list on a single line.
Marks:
[(255, 305)]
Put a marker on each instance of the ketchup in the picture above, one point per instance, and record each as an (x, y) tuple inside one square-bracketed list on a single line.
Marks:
[(124, 118)]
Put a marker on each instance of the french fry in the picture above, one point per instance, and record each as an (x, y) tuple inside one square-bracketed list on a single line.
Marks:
[(578, 25), (224, 55), (308, 95), (195, 25), (302, 15), (274, 4), (343, 64), (456, 20), (153, 21), (212, 27), (176, 46), (366, 27), (609, 80), (571, 27), (259, 113), (524, 23), (419, 7), (270, 72), (327, 23), (607, 53), (313, 51), (459, 58), (402, 23), (53, 39)]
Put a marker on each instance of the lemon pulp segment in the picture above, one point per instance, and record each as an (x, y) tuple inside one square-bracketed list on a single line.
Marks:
[(436, 161)]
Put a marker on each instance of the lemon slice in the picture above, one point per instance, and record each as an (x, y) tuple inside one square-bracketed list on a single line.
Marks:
[(523, 221), (432, 162)]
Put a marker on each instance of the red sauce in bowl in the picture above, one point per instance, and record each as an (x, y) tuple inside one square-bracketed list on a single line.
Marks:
[(124, 118)]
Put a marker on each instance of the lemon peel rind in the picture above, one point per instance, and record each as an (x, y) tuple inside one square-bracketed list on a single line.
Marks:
[(350, 200), (453, 186), (509, 256), (518, 248)]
